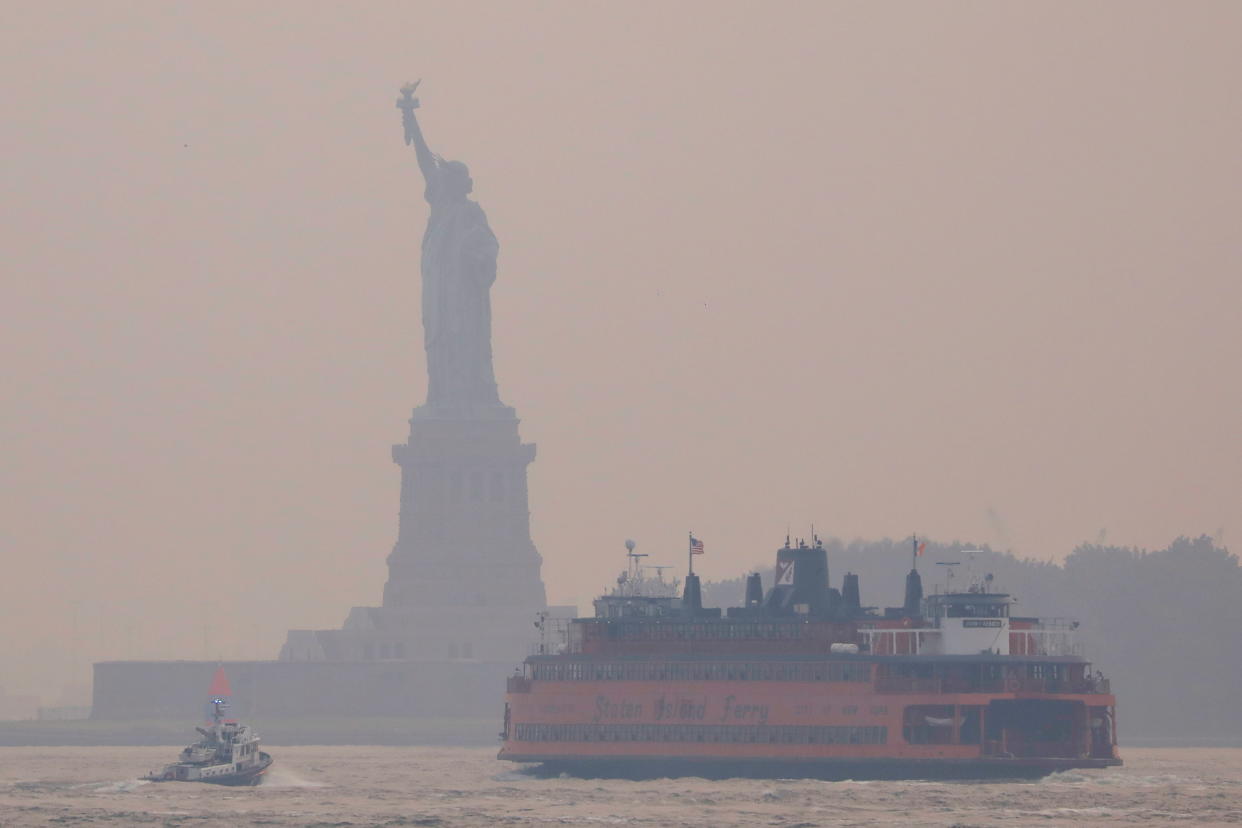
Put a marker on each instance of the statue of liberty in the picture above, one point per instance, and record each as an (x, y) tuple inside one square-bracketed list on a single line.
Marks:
[(458, 269)]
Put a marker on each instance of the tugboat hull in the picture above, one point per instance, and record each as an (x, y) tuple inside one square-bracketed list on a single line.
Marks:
[(247, 776)]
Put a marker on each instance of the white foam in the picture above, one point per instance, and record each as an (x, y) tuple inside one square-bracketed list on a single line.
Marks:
[(123, 786), (281, 776)]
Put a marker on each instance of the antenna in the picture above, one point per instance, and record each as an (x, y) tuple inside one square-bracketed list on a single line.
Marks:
[(948, 572)]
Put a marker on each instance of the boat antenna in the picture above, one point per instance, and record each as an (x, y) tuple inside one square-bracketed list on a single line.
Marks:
[(633, 556), (916, 549)]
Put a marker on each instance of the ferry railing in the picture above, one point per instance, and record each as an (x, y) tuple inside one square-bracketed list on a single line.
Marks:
[(1052, 638), (518, 684), (895, 641), (554, 637), (906, 684), (1043, 685)]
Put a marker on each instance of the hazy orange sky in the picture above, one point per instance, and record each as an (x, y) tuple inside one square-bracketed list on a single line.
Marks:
[(966, 269)]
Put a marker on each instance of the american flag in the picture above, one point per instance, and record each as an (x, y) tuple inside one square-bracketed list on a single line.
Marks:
[(696, 546), (922, 548)]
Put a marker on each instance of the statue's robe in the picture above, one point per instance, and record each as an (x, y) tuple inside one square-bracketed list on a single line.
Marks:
[(458, 268)]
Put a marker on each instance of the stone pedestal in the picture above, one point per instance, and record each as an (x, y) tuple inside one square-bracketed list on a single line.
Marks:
[(464, 533), (463, 577)]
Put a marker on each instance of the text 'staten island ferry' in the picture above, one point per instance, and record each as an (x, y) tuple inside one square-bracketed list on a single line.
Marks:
[(806, 681)]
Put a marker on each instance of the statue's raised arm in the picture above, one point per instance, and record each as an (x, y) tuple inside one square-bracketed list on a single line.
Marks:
[(458, 266), (407, 103)]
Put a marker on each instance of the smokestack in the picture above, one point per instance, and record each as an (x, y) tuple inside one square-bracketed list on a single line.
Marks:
[(849, 594), (754, 590), (811, 579), (801, 582), (914, 594), (692, 597)]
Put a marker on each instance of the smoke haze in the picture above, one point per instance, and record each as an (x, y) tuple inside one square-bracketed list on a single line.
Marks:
[(962, 269)]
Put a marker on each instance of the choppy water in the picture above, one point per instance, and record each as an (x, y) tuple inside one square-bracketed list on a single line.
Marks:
[(355, 786)]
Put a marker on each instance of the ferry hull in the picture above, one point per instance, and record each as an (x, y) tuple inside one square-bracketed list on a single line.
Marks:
[(657, 767), (830, 730)]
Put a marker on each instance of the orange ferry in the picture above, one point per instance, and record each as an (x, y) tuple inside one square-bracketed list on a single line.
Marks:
[(806, 681)]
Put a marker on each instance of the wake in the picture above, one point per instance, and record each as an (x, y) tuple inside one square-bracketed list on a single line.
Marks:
[(281, 776), (124, 786)]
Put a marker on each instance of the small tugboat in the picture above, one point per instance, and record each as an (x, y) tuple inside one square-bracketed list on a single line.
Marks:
[(228, 752)]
